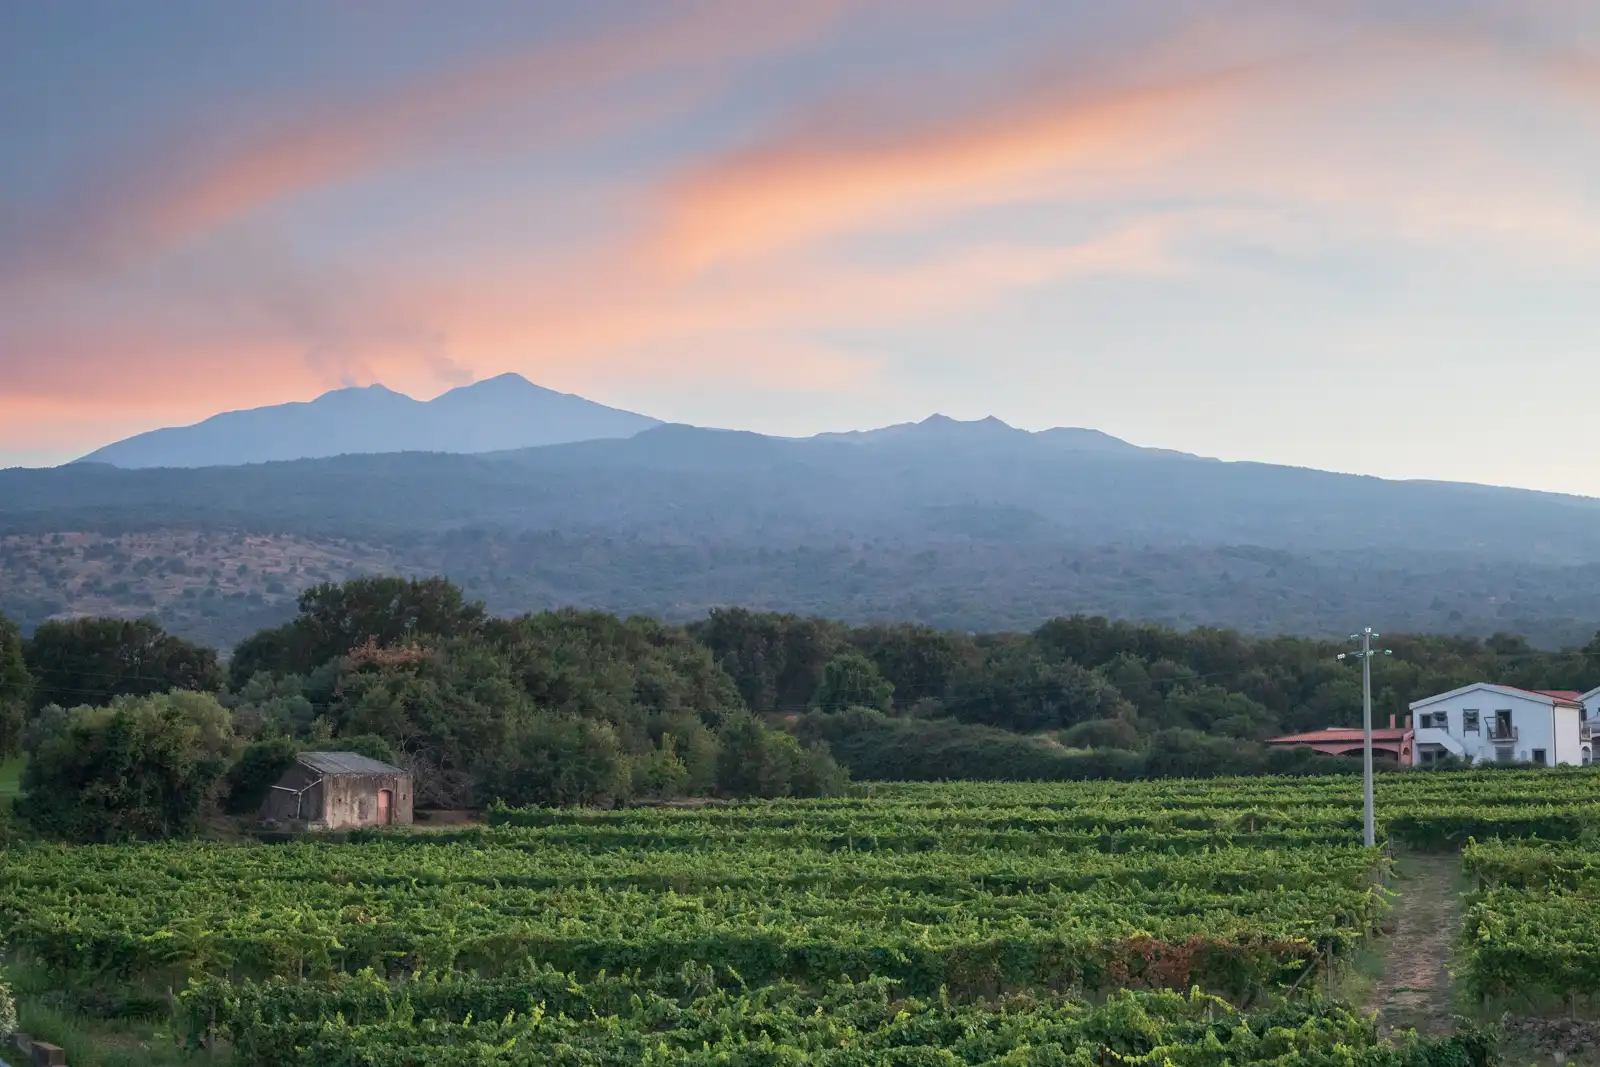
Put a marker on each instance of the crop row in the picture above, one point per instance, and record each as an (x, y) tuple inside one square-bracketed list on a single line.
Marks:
[(1532, 864), (972, 940), (1479, 786), (1520, 942), (1434, 825), (158, 870), (552, 1019)]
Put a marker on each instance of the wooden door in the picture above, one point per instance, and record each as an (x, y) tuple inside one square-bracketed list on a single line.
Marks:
[(385, 803)]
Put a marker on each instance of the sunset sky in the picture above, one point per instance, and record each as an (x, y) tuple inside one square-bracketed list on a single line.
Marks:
[(1358, 236)]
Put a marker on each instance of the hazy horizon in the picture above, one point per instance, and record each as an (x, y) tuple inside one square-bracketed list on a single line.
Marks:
[(1353, 237)]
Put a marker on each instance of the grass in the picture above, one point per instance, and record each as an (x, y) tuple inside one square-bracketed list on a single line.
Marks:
[(1358, 974), (95, 1043), (44, 1014)]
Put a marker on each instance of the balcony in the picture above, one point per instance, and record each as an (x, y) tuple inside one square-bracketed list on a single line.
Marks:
[(1502, 733)]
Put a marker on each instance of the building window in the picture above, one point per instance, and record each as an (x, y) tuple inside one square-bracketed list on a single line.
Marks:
[(1438, 720), (1538, 756), (1469, 722)]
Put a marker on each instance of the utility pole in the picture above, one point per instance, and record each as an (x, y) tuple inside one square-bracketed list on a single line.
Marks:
[(1370, 820)]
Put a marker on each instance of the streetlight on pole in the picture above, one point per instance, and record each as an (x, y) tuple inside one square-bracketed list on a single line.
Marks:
[(1370, 822)]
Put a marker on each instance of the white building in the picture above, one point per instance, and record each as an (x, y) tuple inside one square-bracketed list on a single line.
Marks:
[(1591, 706), (1500, 724)]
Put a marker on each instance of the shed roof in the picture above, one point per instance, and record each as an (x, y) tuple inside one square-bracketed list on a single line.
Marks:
[(345, 763)]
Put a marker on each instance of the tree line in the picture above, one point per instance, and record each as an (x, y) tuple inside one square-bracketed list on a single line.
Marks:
[(133, 732)]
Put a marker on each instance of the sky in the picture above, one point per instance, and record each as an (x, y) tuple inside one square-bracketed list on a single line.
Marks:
[(1348, 235)]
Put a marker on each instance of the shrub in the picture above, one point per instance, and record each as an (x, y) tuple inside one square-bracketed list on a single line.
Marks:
[(142, 767), (1103, 733), (256, 771)]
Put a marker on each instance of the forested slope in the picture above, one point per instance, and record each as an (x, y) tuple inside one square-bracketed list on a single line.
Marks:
[(965, 528)]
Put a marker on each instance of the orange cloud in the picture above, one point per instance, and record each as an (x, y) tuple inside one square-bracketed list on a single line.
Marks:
[(820, 184), (199, 189)]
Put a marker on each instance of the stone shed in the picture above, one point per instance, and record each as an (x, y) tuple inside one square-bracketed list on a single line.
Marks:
[(339, 791)]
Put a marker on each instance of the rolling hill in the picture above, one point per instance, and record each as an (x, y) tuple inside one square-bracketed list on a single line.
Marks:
[(968, 525)]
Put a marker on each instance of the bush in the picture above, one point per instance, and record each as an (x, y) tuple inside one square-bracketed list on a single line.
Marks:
[(875, 747), (142, 767), (256, 771), (8, 1013), (757, 762), (1103, 733)]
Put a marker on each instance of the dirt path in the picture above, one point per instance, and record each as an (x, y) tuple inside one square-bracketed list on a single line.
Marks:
[(1414, 991)]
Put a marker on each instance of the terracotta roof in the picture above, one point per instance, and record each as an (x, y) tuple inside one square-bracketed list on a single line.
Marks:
[(1340, 733), (1565, 696)]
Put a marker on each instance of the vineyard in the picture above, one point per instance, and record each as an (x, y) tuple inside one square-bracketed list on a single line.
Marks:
[(1190, 922)]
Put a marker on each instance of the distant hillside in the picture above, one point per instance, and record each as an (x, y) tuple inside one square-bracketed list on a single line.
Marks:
[(966, 525), (499, 413)]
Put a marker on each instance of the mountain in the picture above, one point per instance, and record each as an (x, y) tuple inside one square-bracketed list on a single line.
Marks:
[(499, 413), (982, 433), (970, 525)]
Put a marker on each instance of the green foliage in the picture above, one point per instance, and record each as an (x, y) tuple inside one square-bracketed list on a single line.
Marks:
[(334, 619), (1103, 733), (928, 920), (754, 761), (16, 689), (1019, 688), (257, 769), (852, 680), (874, 747), (142, 767), (271, 704), (596, 666), (447, 710), (776, 661), (558, 760), (91, 661), (704, 1017)]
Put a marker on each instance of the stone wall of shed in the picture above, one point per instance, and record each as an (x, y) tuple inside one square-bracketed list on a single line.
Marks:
[(280, 805), (351, 800)]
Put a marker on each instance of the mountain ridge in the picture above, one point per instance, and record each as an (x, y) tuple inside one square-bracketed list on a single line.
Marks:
[(489, 417), (503, 412), (962, 525)]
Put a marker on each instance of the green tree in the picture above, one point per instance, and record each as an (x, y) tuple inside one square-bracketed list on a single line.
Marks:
[(90, 661), (16, 688), (776, 661), (1213, 709), (255, 772), (336, 618), (1018, 689), (558, 760), (922, 662), (852, 680), (757, 762), (142, 767), (447, 711)]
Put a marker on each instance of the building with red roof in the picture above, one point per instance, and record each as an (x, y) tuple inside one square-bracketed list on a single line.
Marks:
[(1394, 743)]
